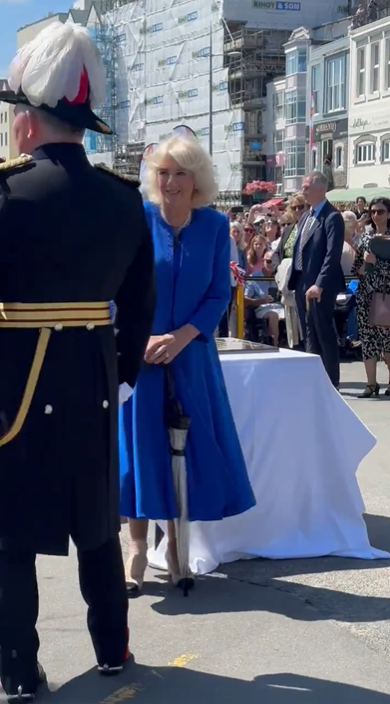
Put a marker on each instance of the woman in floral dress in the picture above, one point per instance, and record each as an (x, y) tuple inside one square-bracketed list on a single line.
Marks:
[(375, 340)]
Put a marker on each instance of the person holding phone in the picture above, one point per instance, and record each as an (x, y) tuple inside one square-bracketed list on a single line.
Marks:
[(262, 297)]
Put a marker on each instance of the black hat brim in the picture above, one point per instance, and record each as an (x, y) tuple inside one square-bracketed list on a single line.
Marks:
[(78, 115)]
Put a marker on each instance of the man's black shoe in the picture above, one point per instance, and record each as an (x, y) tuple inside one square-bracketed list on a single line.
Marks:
[(26, 692), (112, 670)]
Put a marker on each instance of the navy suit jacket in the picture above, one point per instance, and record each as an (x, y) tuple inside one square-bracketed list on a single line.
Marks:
[(321, 254)]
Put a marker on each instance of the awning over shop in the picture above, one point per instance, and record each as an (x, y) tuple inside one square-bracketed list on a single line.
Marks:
[(271, 203), (349, 195)]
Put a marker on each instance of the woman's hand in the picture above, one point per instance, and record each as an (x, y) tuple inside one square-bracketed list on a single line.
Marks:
[(369, 258), (157, 348), (181, 338), (162, 349)]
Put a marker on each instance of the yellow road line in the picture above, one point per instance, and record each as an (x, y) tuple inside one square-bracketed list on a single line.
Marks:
[(182, 660), (130, 692), (123, 694)]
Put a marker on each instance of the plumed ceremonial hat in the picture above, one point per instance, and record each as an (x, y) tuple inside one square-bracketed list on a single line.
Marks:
[(60, 72)]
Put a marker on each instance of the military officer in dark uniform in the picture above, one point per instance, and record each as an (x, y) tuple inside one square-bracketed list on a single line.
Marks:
[(72, 238)]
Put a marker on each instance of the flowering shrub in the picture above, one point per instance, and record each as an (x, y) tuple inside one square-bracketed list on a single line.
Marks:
[(260, 186)]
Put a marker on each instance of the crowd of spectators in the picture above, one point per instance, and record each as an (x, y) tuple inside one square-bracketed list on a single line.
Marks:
[(262, 245)]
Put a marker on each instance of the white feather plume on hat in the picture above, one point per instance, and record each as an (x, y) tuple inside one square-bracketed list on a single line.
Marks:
[(50, 67)]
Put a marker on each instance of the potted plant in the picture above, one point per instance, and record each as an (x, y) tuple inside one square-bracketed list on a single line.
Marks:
[(260, 190)]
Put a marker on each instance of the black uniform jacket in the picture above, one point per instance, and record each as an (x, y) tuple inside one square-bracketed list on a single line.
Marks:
[(69, 232)]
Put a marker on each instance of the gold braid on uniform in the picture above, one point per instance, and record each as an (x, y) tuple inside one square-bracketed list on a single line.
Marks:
[(21, 160), (129, 180)]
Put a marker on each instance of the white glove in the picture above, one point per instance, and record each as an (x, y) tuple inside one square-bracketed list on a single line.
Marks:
[(125, 391)]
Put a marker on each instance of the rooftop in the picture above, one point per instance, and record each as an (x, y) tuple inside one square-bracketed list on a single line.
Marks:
[(61, 15)]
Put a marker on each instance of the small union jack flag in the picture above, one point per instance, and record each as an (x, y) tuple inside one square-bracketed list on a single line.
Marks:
[(238, 273)]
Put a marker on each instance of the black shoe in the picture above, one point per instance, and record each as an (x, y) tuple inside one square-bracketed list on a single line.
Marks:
[(26, 693), (370, 390), (186, 584), (112, 670)]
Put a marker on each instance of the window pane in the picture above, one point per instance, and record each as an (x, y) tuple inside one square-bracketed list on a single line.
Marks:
[(387, 59), (375, 80), (291, 107), (302, 60), (315, 89), (302, 110), (375, 67), (365, 153), (291, 63), (335, 93), (278, 141), (361, 58), (361, 81), (294, 158), (301, 165)]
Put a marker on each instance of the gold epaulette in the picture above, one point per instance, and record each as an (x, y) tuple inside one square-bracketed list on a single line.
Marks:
[(17, 163), (129, 180)]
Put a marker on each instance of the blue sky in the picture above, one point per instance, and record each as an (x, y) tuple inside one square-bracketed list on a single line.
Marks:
[(16, 13)]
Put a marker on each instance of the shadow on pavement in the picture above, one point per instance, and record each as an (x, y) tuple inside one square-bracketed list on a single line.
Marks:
[(352, 385), (354, 389), (378, 528), (295, 601), (170, 685)]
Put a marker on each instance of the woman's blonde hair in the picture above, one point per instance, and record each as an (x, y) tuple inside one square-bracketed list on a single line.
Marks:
[(241, 244), (294, 199), (191, 156), (252, 254)]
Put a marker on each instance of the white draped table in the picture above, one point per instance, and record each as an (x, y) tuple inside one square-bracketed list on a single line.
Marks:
[(302, 444)]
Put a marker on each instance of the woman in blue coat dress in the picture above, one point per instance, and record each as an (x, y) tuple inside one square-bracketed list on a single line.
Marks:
[(192, 258)]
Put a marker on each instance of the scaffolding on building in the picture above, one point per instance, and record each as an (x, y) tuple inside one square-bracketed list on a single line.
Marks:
[(128, 157), (105, 40), (254, 57), (108, 5), (125, 157)]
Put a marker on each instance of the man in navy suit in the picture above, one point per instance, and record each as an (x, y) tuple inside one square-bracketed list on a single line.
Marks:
[(316, 274)]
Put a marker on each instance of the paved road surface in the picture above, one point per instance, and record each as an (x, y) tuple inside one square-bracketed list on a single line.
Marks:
[(291, 632)]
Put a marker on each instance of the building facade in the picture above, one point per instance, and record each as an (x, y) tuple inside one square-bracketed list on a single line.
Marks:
[(275, 122), (7, 150), (327, 108), (369, 106), (307, 110), (286, 117), (206, 66)]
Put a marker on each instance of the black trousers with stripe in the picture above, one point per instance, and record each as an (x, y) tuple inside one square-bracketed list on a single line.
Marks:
[(103, 587)]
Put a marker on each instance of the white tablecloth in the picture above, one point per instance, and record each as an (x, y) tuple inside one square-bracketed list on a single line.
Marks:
[(303, 445)]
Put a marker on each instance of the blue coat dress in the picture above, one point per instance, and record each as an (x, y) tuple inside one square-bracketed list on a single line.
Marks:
[(193, 286)]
